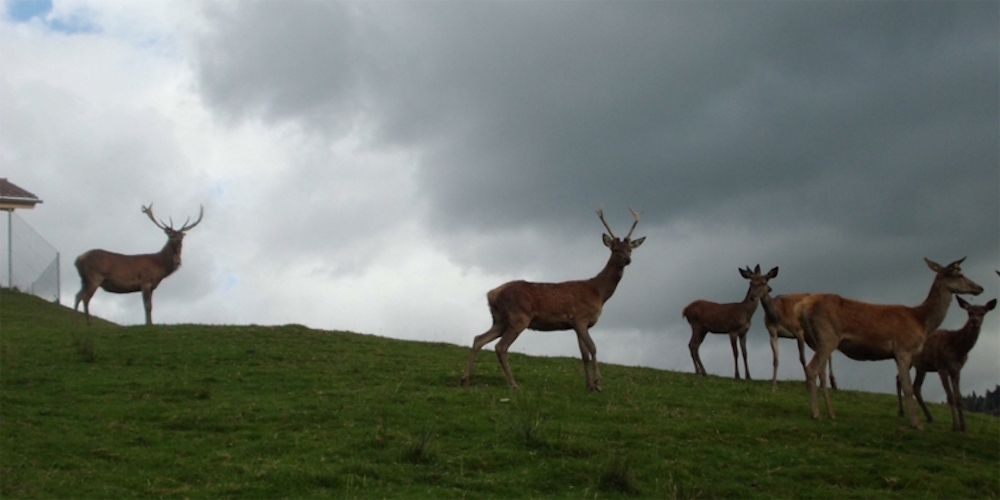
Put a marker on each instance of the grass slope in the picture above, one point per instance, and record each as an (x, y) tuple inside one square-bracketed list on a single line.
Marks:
[(289, 412)]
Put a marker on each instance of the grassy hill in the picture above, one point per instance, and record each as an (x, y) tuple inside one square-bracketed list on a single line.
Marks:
[(290, 412)]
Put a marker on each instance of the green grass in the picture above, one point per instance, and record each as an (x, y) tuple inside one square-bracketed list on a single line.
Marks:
[(197, 411)]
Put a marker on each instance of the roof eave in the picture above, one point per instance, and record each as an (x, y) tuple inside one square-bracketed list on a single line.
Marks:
[(13, 203)]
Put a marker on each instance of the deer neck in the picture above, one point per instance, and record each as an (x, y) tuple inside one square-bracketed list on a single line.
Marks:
[(607, 280), (768, 304), (170, 256), (967, 337), (749, 304), (935, 307)]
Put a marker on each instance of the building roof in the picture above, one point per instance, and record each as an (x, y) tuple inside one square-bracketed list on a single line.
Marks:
[(14, 197)]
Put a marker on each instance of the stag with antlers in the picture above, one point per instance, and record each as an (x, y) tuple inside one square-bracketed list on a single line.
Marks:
[(734, 319), (945, 352), (117, 273), (781, 321), (570, 305), (872, 332)]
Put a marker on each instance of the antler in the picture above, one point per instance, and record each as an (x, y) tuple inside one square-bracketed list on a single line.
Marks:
[(149, 211), (186, 227), (600, 213), (636, 215), (160, 224)]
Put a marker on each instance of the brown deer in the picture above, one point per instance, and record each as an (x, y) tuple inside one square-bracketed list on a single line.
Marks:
[(734, 319), (117, 273), (570, 305), (945, 352), (871, 332), (782, 322)]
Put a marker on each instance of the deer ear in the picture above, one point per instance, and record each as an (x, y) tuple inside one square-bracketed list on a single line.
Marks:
[(991, 304), (608, 240), (962, 303), (746, 273), (773, 273), (933, 265), (636, 243)]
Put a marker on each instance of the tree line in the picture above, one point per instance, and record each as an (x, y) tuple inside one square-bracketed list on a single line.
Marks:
[(988, 404)]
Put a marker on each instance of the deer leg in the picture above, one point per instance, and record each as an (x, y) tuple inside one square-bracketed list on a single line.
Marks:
[(489, 336), (826, 340), (811, 385), (833, 381), (802, 353), (508, 338), (899, 396), (774, 352), (597, 370), (585, 356), (957, 394), (918, 382), (76, 304), (824, 387), (85, 294), (946, 383), (903, 362), (588, 351), (697, 336), (147, 302), (743, 347), (815, 367), (736, 354), (954, 400)]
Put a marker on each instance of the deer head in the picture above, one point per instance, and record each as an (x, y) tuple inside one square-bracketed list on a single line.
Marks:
[(758, 282), (621, 248), (952, 279), (976, 313)]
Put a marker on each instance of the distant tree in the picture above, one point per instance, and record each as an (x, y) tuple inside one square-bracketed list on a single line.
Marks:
[(988, 404)]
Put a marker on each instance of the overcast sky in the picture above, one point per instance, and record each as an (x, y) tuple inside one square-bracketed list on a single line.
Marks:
[(379, 166)]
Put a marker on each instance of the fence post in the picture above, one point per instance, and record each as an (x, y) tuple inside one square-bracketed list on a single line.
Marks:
[(58, 281), (10, 250)]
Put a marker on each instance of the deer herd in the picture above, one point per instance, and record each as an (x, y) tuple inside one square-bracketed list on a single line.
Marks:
[(825, 322)]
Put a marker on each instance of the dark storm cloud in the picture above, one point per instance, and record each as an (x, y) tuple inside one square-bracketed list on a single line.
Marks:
[(862, 115)]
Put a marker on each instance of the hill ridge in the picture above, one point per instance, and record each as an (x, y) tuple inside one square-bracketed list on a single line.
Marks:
[(290, 411)]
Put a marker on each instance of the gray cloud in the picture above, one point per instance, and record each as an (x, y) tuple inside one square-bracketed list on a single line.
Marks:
[(526, 114)]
